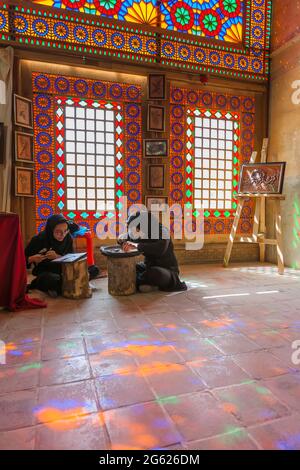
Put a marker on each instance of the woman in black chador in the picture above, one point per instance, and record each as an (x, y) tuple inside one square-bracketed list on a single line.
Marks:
[(152, 239), (51, 243)]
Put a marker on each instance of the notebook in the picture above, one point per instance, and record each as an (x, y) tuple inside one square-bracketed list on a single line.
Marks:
[(69, 258)]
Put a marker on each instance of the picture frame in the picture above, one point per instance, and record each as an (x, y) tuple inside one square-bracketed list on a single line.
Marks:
[(155, 200), (24, 147), (262, 178), (156, 118), (24, 181), (156, 148), (156, 177), (23, 112), (156, 86)]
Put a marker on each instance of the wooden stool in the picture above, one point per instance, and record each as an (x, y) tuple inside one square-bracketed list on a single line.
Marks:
[(121, 269), (75, 277)]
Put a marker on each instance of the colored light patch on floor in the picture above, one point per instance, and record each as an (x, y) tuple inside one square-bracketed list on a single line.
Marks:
[(56, 415)]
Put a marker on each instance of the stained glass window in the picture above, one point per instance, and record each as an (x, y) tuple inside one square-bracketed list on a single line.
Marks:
[(90, 158), (218, 19), (213, 159)]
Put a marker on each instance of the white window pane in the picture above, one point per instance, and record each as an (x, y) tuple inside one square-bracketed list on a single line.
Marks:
[(70, 158), (228, 165), (71, 182), (198, 174), (205, 183), (221, 164), (80, 159), (227, 205), (100, 183), (197, 183), (110, 205), (90, 182), (221, 144), (198, 163), (90, 125), (80, 136), (110, 149), (71, 193), (81, 170), (206, 163), (213, 164), (109, 126), (110, 194), (110, 171), (71, 205), (110, 161), (80, 182), (100, 171), (221, 184), (100, 126), (206, 123), (213, 184), (206, 143), (205, 204), (214, 144), (220, 194), (229, 125), (91, 205), (110, 182), (99, 115), (213, 194), (70, 147), (70, 135), (90, 136), (69, 123), (70, 111), (221, 124), (221, 174), (90, 171), (197, 194), (221, 135), (80, 147), (213, 204), (206, 174), (100, 137), (81, 193), (228, 175), (90, 159), (90, 113), (109, 116), (228, 194), (80, 113), (228, 144), (81, 205), (80, 124), (214, 134), (214, 123), (228, 185), (198, 132), (91, 194), (100, 194), (101, 205), (71, 170), (213, 174), (198, 142), (90, 148), (205, 194)]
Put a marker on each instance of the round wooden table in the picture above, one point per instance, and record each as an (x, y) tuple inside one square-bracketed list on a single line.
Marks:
[(121, 270)]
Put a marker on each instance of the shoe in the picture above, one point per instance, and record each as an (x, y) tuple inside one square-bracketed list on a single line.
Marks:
[(146, 288), (52, 293)]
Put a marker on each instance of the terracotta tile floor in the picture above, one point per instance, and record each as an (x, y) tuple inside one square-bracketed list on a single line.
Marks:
[(210, 368)]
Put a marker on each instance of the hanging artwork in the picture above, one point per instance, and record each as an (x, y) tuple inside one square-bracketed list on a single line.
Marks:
[(23, 111), (262, 178), (24, 182), (23, 147)]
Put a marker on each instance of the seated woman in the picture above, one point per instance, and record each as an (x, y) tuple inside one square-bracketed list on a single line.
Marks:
[(160, 269), (51, 243)]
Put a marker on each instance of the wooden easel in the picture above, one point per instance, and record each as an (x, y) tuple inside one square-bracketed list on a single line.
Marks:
[(259, 227)]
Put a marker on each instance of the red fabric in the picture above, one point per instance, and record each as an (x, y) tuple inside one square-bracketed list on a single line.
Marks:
[(13, 267), (89, 248)]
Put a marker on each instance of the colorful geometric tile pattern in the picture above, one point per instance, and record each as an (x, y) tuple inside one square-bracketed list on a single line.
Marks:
[(50, 94), (218, 19), (89, 35), (242, 109)]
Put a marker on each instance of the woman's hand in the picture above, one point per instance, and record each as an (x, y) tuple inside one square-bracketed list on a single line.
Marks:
[(128, 246), (36, 259), (51, 254)]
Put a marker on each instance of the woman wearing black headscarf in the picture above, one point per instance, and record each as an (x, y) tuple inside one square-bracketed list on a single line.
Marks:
[(51, 243), (153, 240)]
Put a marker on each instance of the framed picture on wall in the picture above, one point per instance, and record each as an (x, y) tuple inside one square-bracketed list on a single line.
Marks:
[(262, 178), (23, 111), (156, 177), (159, 201), (155, 147), (23, 147), (24, 181), (156, 118), (156, 86)]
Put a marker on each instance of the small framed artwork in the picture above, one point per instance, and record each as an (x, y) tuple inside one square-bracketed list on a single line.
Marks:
[(156, 86), (23, 147), (156, 176), (24, 185), (151, 201), (155, 147), (156, 118), (23, 111), (262, 178)]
